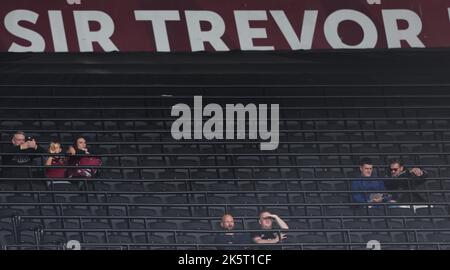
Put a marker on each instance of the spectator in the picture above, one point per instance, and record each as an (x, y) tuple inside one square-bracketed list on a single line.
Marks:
[(268, 235), (229, 237), (368, 183), (20, 146), (55, 160), (80, 156), (406, 179)]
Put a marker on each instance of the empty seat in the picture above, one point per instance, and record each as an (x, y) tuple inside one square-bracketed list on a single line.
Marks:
[(162, 226), (196, 225)]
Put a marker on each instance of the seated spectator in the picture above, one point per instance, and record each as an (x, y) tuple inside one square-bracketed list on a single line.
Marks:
[(80, 156), (268, 235), (368, 183), (406, 179), (20, 147), (55, 160), (229, 237)]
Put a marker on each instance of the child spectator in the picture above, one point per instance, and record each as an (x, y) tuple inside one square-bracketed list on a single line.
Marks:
[(55, 148)]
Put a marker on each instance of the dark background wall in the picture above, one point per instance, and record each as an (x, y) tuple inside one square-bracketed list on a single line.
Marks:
[(234, 73)]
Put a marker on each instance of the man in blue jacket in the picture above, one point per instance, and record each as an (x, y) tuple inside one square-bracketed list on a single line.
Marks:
[(368, 183)]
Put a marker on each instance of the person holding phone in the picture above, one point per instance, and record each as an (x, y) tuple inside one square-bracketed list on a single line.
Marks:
[(404, 179), (17, 154), (55, 159), (367, 183), (80, 156)]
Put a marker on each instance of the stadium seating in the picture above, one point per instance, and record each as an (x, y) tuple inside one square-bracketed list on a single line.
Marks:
[(155, 192)]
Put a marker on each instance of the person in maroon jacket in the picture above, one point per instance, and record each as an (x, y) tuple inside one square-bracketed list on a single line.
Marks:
[(56, 160), (80, 156)]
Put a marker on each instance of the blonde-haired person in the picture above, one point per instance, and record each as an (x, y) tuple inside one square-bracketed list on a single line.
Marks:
[(54, 159)]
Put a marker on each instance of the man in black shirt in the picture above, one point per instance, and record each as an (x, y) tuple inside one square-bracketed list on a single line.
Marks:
[(229, 237), (268, 235), (406, 179), (21, 147)]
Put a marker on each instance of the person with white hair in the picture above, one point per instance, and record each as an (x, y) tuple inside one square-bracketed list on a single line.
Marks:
[(17, 154)]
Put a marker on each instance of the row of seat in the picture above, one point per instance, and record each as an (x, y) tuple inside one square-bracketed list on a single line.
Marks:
[(190, 241), (167, 233), (147, 208), (148, 123)]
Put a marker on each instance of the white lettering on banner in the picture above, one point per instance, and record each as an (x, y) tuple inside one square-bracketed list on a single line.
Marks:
[(331, 26), (198, 37), (11, 22), (74, 2), (374, 2), (246, 34), (299, 37), (86, 37), (158, 19), (308, 28), (410, 34), (58, 32)]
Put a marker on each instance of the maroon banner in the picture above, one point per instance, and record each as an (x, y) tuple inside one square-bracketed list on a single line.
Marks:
[(208, 25)]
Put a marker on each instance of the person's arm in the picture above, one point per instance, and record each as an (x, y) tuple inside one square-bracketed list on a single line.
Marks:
[(16, 149), (283, 225), (380, 186), (259, 240), (36, 149), (81, 152), (40, 150), (358, 197), (48, 162), (417, 172)]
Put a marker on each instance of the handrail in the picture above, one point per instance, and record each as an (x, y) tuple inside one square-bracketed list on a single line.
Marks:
[(343, 107), (281, 130), (242, 231), (130, 204), (244, 218), (168, 86), (197, 246), (261, 154), (216, 179), (204, 166), (211, 192)]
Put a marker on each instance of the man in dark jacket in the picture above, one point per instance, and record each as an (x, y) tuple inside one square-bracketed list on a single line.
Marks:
[(406, 179), (20, 147), (229, 237)]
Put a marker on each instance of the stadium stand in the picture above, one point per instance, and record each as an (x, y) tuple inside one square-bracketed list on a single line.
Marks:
[(154, 192)]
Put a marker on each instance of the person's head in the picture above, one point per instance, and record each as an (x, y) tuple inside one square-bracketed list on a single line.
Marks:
[(396, 167), (18, 138), (55, 147), (265, 220), (80, 143), (366, 167), (227, 222)]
